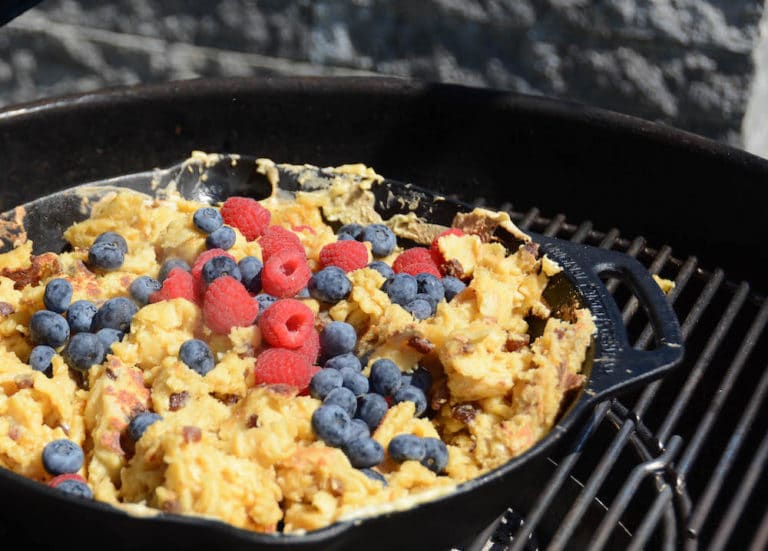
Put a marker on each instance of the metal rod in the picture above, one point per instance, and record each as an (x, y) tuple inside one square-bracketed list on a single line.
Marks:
[(582, 232), (529, 218), (648, 525), (554, 226), (760, 541)]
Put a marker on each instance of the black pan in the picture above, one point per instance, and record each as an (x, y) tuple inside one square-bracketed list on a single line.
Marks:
[(612, 366)]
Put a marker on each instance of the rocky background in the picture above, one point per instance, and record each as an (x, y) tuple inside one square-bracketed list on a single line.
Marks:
[(699, 65)]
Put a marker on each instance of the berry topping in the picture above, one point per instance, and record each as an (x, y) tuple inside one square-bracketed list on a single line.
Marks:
[(207, 219), (112, 238), (264, 301), (349, 231), (401, 289), (374, 475), (435, 455), (434, 247), (80, 315), (62, 456), (40, 358), (142, 288), (347, 255), (324, 381), (139, 424), (197, 267), (277, 239), (108, 337), (405, 447), (453, 286), (247, 215), (419, 308), (285, 274), (431, 286), (414, 255), (332, 425), (344, 398), (410, 393), (197, 356), (383, 268), (329, 285), (222, 238), (363, 452), (178, 284), (72, 484), (250, 271), (282, 366), (338, 337), (227, 304), (348, 360), (287, 324), (220, 266), (355, 381), (83, 351), (421, 378), (57, 295), (381, 238), (115, 313), (385, 377), (46, 327), (359, 429), (169, 265), (310, 348), (371, 408), (105, 256)]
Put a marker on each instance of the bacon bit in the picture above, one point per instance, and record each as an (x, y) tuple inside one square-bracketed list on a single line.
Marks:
[(283, 390), (464, 413), (178, 400), (128, 400), (252, 422), (571, 381), (191, 434), (420, 344), (533, 248), (43, 266), (14, 432), (439, 394), (23, 382), (110, 374), (111, 441), (517, 342), (226, 399), (125, 281), (560, 333), (453, 268), (171, 506), (336, 486), (303, 227), (6, 309)]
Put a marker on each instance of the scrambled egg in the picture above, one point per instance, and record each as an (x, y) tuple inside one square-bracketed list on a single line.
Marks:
[(245, 454)]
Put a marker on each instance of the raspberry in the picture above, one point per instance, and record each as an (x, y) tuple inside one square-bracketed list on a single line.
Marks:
[(285, 274), (276, 366), (178, 284), (227, 304), (287, 323), (58, 479), (247, 215), (276, 239), (347, 255), (437, 256), (415, 261), (310, 348)]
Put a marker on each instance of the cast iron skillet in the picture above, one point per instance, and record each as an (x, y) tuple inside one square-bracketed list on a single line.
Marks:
[(612, 366)]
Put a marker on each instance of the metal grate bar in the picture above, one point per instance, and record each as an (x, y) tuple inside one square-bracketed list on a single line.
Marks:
[(755, 470), (619, 505), (703, 362), (760, 541), (582, 232), (648, 525), (554, 226), (528, 219), (634, 249), (692, 451)]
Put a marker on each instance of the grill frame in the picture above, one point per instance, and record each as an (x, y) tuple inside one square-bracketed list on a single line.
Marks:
[(443, 136)]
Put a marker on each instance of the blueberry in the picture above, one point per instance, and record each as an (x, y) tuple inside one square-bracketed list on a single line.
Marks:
[(304, 293), (431, 286), (40, 359), (250, 270), (113, 238), (411, 394), (354, 381), (115, 313), (83, 351), (453, 286), (381, 238), (401, 289), (265, 301), (371, 408), (169, 265), (344, 360), (344, 398), (404, 447), (383, 268), (359, 429), (349, 231), (405, 379), (57, 295), (220, 266), (108, 337), (363, 452), (46, 327), (329, 285), (323, 382), (62, 456), (106, 256), (142, 287), (436, 455), (80, 315), (223, 238), (197, 355), (75, 488), (207, 219), (421, 378), (419, 308), (384, 377), (374, 475), (331, 424), (139, 424), (338, 337)]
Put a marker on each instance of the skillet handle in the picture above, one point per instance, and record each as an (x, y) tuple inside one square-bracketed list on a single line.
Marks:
[(617, 365)]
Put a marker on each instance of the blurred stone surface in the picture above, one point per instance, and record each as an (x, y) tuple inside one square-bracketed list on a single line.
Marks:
[(687, 63)]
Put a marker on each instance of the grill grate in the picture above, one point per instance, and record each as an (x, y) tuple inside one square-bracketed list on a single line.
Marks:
[(680, 463)]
